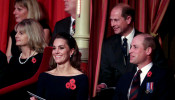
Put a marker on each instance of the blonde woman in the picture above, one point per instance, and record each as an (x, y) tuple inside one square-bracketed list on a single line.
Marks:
[(29, 38), (25, 9)]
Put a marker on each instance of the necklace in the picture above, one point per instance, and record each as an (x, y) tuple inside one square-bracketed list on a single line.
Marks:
[(26, 59)]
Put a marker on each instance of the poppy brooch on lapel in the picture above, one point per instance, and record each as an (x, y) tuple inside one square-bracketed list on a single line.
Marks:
[(71, 84), (149, 74), (33, 60)]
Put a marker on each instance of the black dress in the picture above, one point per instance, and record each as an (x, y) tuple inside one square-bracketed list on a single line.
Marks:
[(15, 49), (16, 72), (3, 63), (53, 87)]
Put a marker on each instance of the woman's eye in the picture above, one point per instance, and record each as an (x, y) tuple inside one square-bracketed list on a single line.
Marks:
[(61, 47)]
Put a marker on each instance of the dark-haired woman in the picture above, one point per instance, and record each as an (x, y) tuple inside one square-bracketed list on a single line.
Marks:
[(64, 81)]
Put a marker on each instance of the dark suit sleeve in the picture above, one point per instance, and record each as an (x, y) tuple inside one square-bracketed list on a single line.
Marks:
[(105, 69), (165, 88), (158, 57)]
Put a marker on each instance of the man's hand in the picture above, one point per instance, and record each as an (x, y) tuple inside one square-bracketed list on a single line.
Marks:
[(100, 87)]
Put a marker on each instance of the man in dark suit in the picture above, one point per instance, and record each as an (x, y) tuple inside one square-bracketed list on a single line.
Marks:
[(155, 83), (65, 25), (114, 62)]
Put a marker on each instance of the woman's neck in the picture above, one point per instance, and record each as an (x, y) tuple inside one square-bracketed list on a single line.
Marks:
[(64, 69), (26, 52)]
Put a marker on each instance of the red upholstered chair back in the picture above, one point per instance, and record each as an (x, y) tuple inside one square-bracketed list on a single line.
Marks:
[(43, 67)]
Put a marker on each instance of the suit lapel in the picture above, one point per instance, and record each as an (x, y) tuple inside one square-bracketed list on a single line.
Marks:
[(68, 24), (117, 51)]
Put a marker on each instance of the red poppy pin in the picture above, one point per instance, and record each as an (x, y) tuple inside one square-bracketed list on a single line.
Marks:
[(33, 60), (71, 84), (68, 85), (149, 74)]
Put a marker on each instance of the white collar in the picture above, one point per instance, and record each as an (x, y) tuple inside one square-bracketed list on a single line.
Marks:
[(72, 20), (145, 70)]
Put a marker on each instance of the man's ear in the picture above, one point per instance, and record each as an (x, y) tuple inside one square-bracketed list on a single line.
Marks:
[(128, 19), (149, 51)]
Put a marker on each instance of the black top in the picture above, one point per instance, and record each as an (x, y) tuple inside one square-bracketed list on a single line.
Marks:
[(16, 72), (3, 62), (53, 87), (15, 49)]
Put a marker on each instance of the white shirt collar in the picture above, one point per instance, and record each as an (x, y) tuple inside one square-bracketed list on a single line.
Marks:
[(72, 20), (145, 70)]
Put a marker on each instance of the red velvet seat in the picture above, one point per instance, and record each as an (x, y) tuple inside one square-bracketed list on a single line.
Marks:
[(43, 67)]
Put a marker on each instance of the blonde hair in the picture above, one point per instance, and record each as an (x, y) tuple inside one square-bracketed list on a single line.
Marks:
[(34, 10), (34, 32)]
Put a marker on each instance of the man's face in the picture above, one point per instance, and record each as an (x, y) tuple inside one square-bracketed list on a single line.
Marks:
[(118, 23), (70, 5), (137, 52)]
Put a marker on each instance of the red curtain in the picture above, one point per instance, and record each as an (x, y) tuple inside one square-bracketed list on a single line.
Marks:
[(4, 20), (96, 38)]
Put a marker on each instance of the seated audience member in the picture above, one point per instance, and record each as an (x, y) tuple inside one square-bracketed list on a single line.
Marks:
[(64, 81), (115, 56), (29, 38), (149, 82), (25, 9), (3, 62)]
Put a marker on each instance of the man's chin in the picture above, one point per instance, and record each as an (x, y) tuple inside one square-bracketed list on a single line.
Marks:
[(116, 32)]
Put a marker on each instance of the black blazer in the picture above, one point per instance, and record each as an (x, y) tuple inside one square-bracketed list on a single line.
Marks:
[(112, 61), (162, 85), (62, 26)]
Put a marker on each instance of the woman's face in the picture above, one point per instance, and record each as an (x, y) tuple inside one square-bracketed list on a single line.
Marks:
[(61, 51), (21, 38), (20, 12)]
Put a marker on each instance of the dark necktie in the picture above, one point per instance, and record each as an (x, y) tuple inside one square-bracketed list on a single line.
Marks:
[(124, 47), (73, 27), (135, 86)]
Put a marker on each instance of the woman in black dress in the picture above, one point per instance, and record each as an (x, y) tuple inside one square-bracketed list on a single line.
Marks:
[(29, 39), (64, 81), (25, 9)]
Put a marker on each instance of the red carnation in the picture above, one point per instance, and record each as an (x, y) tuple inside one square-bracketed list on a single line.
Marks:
[(149, 74), (34, 60)]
